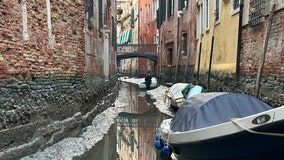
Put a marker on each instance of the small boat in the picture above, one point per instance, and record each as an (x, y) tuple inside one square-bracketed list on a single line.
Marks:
[(179, 92), (223, 126), (142, 83)]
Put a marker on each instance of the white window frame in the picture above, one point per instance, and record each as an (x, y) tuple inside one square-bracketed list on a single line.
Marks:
[(197, 25), (154, 9), (201, 17), (234, 11), (207, 15), (219, 11), (172, 8)]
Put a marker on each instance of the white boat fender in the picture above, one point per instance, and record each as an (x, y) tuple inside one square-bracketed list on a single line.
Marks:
[(166, 153), (158, 143)]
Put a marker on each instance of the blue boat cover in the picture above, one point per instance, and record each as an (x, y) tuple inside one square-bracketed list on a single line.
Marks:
[(207, 109)]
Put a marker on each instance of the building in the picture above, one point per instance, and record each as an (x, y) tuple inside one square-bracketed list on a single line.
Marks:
[(217, 36), (50, 50), (127, 28), (253, 36), (148, 33), (177, 50)]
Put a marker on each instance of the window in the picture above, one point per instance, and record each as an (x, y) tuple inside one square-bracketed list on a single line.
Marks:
[(154, 9), (201, 18), (132, 17), (207, 11), (156, 38), (90, 10), (235, 6), (170, 57), (257, 8), (182, 4), (148, 27), (161, 16), (170, 8), (203, 10), (217, 10), (101, 14), (196, 26)]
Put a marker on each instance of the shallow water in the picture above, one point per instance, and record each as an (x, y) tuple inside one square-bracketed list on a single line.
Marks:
[(132, 136)]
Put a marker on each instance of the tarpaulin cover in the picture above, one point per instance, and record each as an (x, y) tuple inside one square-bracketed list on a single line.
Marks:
[(207, 109)]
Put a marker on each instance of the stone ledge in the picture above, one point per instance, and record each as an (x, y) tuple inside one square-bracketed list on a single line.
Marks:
[(58, 130)]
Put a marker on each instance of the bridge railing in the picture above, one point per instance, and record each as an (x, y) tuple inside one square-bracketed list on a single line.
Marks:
[(146, 48)]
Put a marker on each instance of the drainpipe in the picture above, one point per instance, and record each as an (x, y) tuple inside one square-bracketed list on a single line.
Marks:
[(106, 54), (210, 62), (239, 42), (179, 13)]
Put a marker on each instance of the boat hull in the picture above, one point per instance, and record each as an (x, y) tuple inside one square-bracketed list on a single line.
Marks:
[(239, 146), (239, 139)]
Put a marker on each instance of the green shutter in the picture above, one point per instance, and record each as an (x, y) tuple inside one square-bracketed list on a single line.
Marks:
[(132, 18), (162, 9)]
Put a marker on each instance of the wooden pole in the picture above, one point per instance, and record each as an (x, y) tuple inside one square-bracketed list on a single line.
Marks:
[(177, 63), (187, 63), (210, 63), (199, 58), (262, 59)]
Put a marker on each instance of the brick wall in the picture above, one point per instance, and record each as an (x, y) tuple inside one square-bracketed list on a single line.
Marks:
[(147, 32), (49, 76), (171, 32), (252, 48), (36, 57)]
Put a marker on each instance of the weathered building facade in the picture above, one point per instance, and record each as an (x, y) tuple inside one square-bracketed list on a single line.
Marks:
[(54, 59), (253, 37), (177, 50), (217, 36), (126, 30), (226, 49), (148, 33)]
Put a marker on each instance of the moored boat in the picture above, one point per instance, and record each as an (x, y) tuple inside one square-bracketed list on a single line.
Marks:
[(179, 92), (221, 126)]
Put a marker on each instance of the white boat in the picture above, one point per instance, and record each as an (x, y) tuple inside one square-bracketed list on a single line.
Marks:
[(223, 126), (142, 83), (179, 92)]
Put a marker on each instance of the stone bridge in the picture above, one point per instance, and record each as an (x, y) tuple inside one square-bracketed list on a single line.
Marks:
[(137, 50)]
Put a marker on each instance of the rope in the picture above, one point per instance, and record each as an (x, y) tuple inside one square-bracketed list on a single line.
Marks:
[(255, 132)]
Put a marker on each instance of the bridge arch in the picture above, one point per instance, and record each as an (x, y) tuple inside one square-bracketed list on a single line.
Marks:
[(125, 55), (137, 50)]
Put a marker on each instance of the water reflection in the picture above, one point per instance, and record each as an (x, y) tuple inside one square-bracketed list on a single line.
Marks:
[(137, 126)]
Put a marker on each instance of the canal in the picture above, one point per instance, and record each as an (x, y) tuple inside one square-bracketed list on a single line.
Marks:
[(132, 136)]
